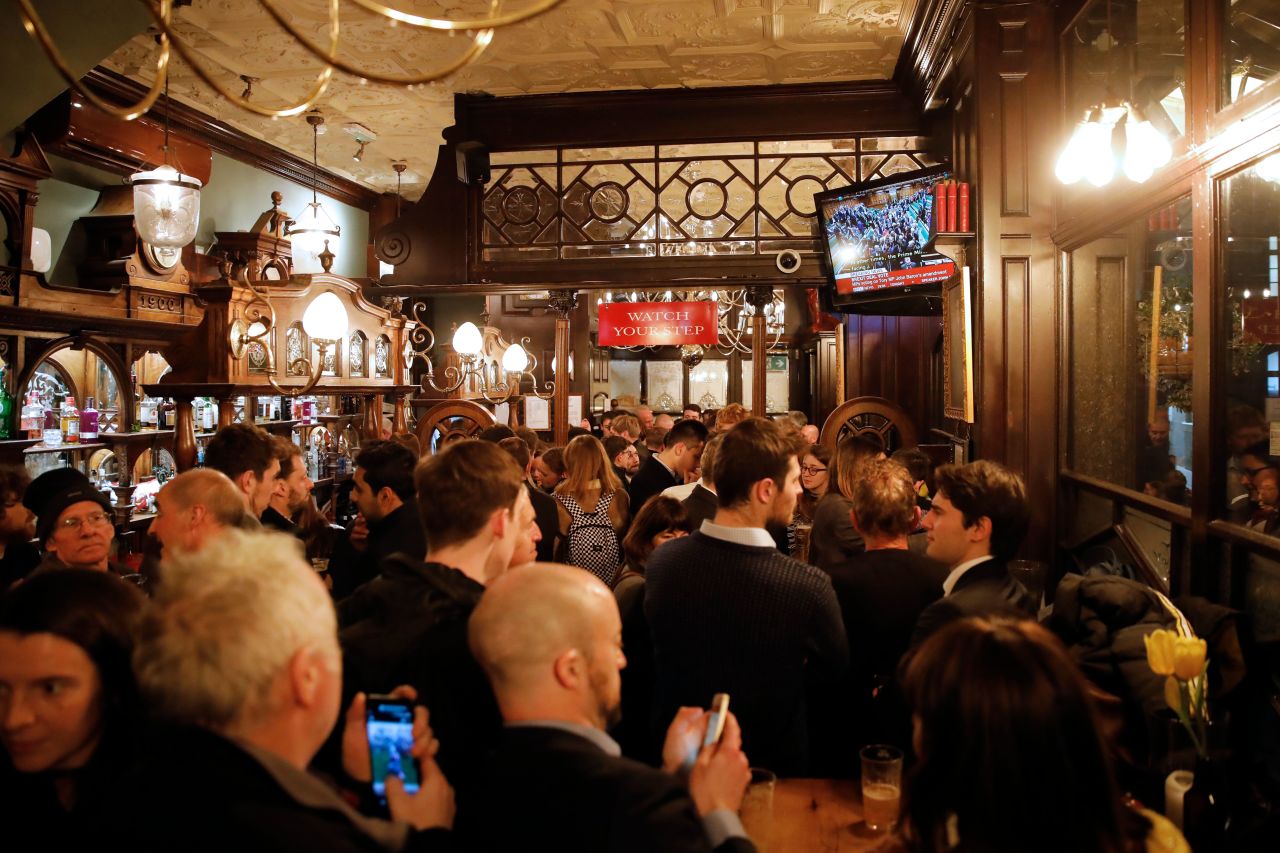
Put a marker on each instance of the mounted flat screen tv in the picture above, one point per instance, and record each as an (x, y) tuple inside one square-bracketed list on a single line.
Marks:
[(877, 237)]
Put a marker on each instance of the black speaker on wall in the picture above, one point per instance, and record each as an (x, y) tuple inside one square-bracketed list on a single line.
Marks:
[(473, 162)]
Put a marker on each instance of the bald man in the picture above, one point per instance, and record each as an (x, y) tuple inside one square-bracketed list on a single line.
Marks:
[(550, 640), (809, 432), (194, 508)]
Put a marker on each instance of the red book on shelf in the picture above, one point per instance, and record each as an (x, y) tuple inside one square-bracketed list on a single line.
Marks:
[(940, 206), (962, 223), (951, 206)]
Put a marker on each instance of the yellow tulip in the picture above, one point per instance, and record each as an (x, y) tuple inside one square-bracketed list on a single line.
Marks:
[(1173, 694), (1160, 651), (1189, 658)]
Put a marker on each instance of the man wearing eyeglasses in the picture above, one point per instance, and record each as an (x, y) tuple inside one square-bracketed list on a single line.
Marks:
[(73, 521)]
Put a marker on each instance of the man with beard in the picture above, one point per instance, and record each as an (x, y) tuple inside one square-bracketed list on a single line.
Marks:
[(730, 614), (293, 489), (623, 456), (550, 640)]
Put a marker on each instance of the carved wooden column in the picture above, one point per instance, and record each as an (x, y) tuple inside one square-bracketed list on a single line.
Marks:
[(562, 302), (759, 297), (399, 416), (184, 436), (226, 411), (372, 427)]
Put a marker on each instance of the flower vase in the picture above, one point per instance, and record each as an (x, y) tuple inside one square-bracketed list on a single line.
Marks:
[(1205, 810)]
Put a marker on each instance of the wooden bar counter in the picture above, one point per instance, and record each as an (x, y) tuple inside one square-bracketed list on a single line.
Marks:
[(819, 815)]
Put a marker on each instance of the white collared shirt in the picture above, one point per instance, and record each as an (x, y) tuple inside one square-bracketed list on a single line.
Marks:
[(958, 572), (756, 537)]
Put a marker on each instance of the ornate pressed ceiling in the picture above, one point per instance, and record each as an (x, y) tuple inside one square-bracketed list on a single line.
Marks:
[(581, 45)]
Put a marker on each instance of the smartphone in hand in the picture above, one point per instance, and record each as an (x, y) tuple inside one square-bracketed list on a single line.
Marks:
[(389, 727), (715, 723)]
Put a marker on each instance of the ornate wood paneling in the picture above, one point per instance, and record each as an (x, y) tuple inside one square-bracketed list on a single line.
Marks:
[(1001, 119), (892, 357)]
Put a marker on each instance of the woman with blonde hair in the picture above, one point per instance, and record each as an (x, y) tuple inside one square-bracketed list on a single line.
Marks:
[(593, 509)]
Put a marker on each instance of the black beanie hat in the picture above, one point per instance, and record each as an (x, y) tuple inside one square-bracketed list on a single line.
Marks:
[(53, 491)]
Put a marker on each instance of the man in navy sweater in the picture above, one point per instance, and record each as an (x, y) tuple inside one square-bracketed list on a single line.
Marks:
[(728, 613)]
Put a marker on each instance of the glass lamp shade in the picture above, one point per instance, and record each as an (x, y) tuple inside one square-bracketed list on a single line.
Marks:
[(467, 340), (166, 207), (1070, 166), (41, 250), (1145, 149), (1098, 161), (310, 230), (515, 359), (325, 319)]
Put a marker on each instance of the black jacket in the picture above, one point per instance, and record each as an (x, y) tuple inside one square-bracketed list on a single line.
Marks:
[(409, 626), (833, 538), (650, 480), (881, 593), (399, 532), (273, 519), (548, 789), (548, 521), (987, 589), (701, 504), (199, 791)]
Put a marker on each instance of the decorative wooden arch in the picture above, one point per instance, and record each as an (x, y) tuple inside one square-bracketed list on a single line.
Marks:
[(865, 415), (449, 421), (99, 348)]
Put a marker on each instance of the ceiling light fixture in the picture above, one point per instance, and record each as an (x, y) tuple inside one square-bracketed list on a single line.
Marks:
[(166, 203), (480, 31), (312, 231)]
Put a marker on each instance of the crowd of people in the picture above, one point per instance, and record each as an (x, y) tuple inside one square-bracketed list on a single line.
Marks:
[(898, 227), (560, 618)]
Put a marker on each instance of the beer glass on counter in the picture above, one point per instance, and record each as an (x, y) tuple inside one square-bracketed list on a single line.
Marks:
[(881, 786)]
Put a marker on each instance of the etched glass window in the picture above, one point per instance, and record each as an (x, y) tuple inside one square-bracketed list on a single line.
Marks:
[(674, 200), (357, 346), (1130, 355)]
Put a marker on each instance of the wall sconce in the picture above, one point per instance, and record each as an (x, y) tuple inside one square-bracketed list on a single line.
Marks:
[(324, 321), (468, 343), (1089, 154)]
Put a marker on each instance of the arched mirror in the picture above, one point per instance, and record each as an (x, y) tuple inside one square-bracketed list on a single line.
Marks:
[(151, 412), (81, 375)]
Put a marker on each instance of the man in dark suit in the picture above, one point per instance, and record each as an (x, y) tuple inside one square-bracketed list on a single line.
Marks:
[(544, 506), (979, 517), (549, 638), (681, 453)]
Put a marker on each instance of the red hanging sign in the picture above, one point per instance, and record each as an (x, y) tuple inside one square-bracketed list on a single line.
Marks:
[(625, 324)]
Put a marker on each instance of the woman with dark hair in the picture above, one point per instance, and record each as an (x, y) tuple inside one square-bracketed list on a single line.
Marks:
[(815, 477), (833, 539), (67, 697), (1010, 753), (593, 509), (659, 521)]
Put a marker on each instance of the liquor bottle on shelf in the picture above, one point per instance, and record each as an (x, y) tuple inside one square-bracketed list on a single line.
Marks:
[(6, 407), (32, 416), (89, 421), (52, 433), (70, 421)]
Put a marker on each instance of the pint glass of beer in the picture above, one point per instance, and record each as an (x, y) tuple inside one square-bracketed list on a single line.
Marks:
[(881, 786)]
